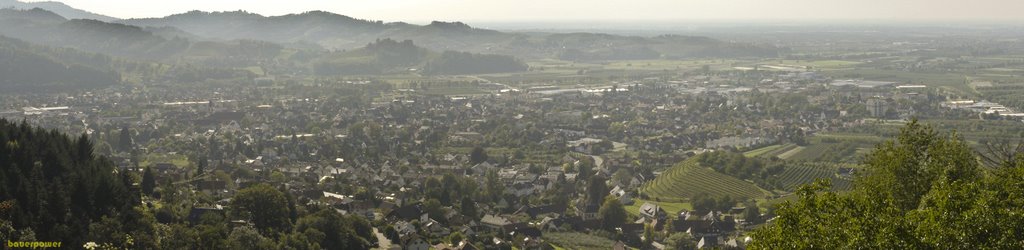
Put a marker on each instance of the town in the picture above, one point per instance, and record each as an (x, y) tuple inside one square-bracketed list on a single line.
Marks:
[(360, 134)]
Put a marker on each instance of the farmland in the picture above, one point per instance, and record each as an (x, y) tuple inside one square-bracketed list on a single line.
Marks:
[(573, 240), (687, 179), (799, 174)]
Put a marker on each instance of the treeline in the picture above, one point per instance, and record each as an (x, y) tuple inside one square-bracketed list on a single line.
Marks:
[(25, 68), (457, 63), (921, 191)]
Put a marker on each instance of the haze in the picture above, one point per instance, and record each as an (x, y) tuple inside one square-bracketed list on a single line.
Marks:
[(579, 10)]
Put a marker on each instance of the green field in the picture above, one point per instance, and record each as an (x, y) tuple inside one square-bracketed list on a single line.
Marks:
[(761, 151), (178, 160), (669, 207), (770, 151), (575, 240), (687, 179), (785, 155)]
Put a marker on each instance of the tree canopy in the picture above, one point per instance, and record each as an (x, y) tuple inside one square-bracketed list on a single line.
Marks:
[(264, 206), (921, 191)]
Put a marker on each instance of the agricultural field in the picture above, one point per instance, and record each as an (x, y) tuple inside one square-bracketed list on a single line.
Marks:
[(574, 240), (948, 81), (804, 64), (688, 179), (799, 174), (455, 91)]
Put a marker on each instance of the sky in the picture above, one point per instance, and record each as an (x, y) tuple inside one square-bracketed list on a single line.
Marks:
[(418, 11)]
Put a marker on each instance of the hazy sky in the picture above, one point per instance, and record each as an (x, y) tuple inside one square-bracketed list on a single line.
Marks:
[(568, 10)]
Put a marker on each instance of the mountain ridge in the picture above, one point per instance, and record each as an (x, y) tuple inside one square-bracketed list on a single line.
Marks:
[(60, 8)]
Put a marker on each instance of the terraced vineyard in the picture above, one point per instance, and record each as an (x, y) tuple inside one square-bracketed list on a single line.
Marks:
[(687, 179), (803, 173)]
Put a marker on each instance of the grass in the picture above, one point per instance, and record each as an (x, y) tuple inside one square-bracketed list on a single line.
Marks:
[(575, 240), (789, 153), (669, 207), (761, 151), (178, 160), (800, 65), (687, 179)]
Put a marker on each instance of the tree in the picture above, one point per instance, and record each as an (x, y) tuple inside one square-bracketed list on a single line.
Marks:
[(433, 209), (648, 234), (148, 181), (493, 187), (455, 238), (264, 206), (922, 191), (725, 203), (335, 231), (246, 237), (752, 214), (612, 214), (392, 234), (681, 241), (124, 142), (468, 207), (702, 202), (596, 189), (201, 166), (904, 170), (478, 155)]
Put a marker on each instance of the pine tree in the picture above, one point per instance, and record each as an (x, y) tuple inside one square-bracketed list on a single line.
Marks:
[(148, 181)]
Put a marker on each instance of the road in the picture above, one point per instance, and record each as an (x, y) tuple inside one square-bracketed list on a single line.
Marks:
[(382, 241)]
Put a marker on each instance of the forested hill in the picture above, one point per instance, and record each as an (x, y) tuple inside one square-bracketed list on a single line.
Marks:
[(334, 31), (390, 56), (453, 63), (46, 28), (27, 67), (57, 7), (53, 188)]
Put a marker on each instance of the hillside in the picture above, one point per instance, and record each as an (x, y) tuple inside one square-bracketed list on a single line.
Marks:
[(46, 28), (25, 67), (688, 179)]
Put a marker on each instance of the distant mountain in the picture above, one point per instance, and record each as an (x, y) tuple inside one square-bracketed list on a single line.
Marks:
[(47, 28), (55, 7), (334, 31), (327, 29)]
